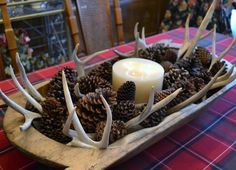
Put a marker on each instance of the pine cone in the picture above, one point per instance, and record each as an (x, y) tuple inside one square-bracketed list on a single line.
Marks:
[(184, 63), (196, 67), (104, 71), (90, 108), (170, 55), (89, 84), (205, 75), (126, 91), (55, 88), (198, 83), (204, 55), (52, 120), (118, 130), (216, 67), (167, 65), (155, 118), (124, 110), (174, 75), (154, 53)]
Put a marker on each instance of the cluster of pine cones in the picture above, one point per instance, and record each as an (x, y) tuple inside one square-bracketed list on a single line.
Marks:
[(189, 73)]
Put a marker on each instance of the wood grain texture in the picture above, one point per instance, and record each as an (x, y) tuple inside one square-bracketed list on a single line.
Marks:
[(50, 152), (95, 19)]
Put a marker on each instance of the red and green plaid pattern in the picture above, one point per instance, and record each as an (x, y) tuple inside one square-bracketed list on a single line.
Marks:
[(208, 142)]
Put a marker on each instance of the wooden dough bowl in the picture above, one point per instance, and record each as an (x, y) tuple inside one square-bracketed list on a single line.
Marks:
[(50, 152)]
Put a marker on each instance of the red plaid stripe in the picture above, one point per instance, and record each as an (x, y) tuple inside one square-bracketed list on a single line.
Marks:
[(208, 142)]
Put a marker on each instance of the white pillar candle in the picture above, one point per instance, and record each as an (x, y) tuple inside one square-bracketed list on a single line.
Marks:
[(144, 73)]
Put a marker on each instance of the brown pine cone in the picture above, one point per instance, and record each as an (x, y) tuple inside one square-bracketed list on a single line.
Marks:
[(205, 75), (154, 53), (89, 84), (216, 67), (126, 91), (184, 63), (90, 108), (55, 88), (204, 55), (155, 118), (198, 83), (166, 65), (170, 55), (174, 75), (118, 130), (104, 71), (53, 118), (124, 110), (196, 68)]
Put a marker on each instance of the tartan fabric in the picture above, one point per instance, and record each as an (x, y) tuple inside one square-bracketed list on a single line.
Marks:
[(208, 142)]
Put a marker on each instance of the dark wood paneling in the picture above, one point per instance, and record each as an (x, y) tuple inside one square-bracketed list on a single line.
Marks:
[(148, 13)]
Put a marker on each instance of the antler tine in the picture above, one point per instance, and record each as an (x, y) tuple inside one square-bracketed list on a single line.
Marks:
[(106, 134), (214, 57), (186, 44), (29, 116), (78, 63), (207, 34), (77, 91), (31, 89), (82, 136), (90, 57), (202, 27), (23, 91), (198, 95), (226, 75), (143, 35), (123, 55), (224, 82), (135, 121)]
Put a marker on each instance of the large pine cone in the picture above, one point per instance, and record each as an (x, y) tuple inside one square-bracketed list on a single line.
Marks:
[(55, 88), (124, 110), (174, 75), (90, 108), (53, 118), (104, 71), (155, 118), (118, 130), (89, 84), (126, 91), (204, 55), (154, 53)]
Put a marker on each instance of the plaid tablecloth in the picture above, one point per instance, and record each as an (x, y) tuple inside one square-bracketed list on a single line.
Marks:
[(208, 142)]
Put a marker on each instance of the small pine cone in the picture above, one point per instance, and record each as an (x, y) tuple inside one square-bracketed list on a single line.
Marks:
[(205, 75), (89, 84), (216, 67), (166, 65), (53, 118), (174, 75), (124, 110), (196, 68), (155, 118), (198, 83), (185, 63), (55, 88), (104, 71), (118, 130), (160, 95), (126, 91), (90, 108), (204, 55), (154, 53), (170, 55)]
